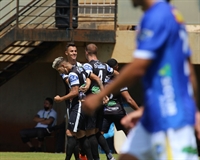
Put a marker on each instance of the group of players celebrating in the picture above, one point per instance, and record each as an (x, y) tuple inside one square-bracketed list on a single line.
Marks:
[(85, 132)]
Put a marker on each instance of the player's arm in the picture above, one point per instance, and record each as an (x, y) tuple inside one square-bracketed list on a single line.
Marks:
[(74, 91), (87, 85), (193, 80), (115, 73), (97, 79), (195, 89), (129, 99), (38, 119), (128, 75), (48, 121)]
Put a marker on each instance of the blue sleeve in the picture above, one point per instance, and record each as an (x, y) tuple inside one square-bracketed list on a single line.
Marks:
[(73, 79), (110, 70), (152, 35), (40, 113), (88, 68)]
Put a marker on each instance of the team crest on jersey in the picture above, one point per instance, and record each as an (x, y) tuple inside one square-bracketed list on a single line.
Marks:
[(99, 66), (73, 78), (177, 15), (87, 67), (145, 34)]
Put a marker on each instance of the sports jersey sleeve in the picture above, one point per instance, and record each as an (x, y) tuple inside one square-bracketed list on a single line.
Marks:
[(64, 76), (151, 36), (110, 70), (88, 68), (73, 79), (53, 115), (40, 113), (124, 89)]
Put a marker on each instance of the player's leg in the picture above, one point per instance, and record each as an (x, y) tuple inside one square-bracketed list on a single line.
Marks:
[(107, 124), (41, 134), (26, 135), (137, 145), (117, 121), (91, 135), (100, 138), (72, 128), (71, 143), (84, 144)]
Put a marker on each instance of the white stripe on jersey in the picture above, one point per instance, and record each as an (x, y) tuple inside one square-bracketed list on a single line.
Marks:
[(77, 118), (143, 54)]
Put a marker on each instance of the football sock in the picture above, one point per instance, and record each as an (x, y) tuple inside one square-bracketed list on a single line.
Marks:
[(71, 143), (103, 143), (76, 151), (94, 146), (85, 145)]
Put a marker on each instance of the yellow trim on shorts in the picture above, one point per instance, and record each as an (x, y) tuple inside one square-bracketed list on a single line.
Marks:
[(169, 150)]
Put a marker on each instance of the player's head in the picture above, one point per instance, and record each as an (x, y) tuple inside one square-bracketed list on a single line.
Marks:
[(61, 65), (91, 49), (71, 51), (143, 3), (113, 63), (48, 103), (137, 3)]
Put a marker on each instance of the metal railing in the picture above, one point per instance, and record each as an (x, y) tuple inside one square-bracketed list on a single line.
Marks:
[(49, 14)]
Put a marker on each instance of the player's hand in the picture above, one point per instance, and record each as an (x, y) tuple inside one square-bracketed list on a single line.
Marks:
[(105, 100), (83, 89), (131, 119), (91, 103), (197, 124), (57, 98)]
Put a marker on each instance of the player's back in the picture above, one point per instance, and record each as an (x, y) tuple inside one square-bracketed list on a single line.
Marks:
[(102, 70), (168, 95)]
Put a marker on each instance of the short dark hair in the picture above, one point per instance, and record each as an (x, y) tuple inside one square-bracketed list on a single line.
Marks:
[(50, 100), (70, 44), (112, 62)]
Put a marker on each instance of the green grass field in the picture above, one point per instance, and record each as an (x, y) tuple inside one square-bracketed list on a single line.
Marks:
[(37, 156)]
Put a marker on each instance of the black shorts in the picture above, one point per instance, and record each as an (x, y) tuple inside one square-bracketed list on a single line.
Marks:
[(90, 122), (100, 116), (96, 120), (116, 119), (76, 118)]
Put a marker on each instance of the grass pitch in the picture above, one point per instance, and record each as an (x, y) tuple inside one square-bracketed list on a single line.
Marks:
[(38, 156)]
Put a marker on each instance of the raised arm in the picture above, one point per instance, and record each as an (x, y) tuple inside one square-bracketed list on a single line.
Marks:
[(74, 91)]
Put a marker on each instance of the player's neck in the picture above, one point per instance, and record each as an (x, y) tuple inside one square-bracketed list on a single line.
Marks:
[(92, 57), (149, 3), (72, 61)]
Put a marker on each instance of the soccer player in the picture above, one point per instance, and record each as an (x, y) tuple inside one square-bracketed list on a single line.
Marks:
[(164, 128), (114, 110), (102, 70), (125, 94), (71, 53), (76, 124)]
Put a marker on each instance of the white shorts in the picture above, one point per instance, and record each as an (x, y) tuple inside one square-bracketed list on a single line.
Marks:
[(173, 144)]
